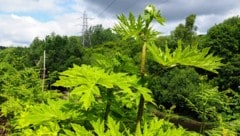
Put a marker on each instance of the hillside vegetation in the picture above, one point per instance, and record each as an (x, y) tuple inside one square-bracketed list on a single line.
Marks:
[(129, 80)]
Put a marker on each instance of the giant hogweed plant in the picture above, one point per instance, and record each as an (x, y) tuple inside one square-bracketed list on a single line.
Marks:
[(57, 117), (88, 82), (141, 30), (92, 87)]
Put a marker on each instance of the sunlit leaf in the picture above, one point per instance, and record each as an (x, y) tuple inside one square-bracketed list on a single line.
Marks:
[(85, 82), (189, 56)]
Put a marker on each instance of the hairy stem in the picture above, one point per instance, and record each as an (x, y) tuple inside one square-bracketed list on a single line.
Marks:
[(143, 59), (141, 102)]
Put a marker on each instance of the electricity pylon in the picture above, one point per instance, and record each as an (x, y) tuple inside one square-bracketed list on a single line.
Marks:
[(86, 39)]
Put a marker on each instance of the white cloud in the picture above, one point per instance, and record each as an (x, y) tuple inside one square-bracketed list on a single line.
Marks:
[(20, 30), (169, 26), (233, 12), (204, 22), (30, 6), (18, 25)]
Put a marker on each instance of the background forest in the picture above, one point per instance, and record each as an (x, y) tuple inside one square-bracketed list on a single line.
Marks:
[(96, 89)]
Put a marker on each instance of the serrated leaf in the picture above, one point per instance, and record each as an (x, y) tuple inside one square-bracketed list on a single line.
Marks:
[(189, 56), (85, 82), (69, 132), (145, 92), (158, 17), (88, 95), (129, 27), (99, 127), (80, 130), (113, 128), (43, 113)]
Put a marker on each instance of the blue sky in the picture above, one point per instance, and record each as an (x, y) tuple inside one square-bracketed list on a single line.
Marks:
[(23, 20)]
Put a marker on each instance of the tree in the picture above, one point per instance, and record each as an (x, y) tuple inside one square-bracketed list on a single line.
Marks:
[(35, 51), (224, 41), (99, 35), (2, 47), (171, 87), (185, 32), (16, 56), (61, 52)]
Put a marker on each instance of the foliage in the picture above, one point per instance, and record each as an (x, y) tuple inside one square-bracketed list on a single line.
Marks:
[(61, 52), (113, 128), (161, 127), (17, 57), (185, 32), (50, 129), (224, 41), (46, 125), (51, 117), (232, 109), (112, 56), (212, 105), (85, 80), (139, 28), (189, 56), (99, 35), (169, 87), (40, 113), (99, 99), (225, 128), (19, 88), (117, 62)]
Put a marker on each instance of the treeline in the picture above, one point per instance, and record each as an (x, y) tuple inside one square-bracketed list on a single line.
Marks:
[(63, 51)]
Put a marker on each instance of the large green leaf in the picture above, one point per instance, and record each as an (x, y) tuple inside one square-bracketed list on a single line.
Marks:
[(136, 28), (49, 129), (155, 127), (80, 130), (129, 27), (113, 128), (41, 113), (189, 56), (85, 81)]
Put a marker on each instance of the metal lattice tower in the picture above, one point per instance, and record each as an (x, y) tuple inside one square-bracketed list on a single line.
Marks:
[(86, 40)]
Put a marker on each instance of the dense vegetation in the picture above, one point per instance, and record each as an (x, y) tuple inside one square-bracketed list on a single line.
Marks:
[(128, 81)]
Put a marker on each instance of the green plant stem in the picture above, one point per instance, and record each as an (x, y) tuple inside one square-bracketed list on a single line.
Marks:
[(143, 59), (140, 111), (141, 102)]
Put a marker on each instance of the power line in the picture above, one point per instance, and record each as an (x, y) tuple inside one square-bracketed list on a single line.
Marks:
[(131, 5), (109, 5)]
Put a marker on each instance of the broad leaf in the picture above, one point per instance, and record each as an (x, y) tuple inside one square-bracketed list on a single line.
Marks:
[(44, 112), (189, 56), (129, 27), (136, 28), (113, 128), (80, 130), (99, 127), (85, 81)]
